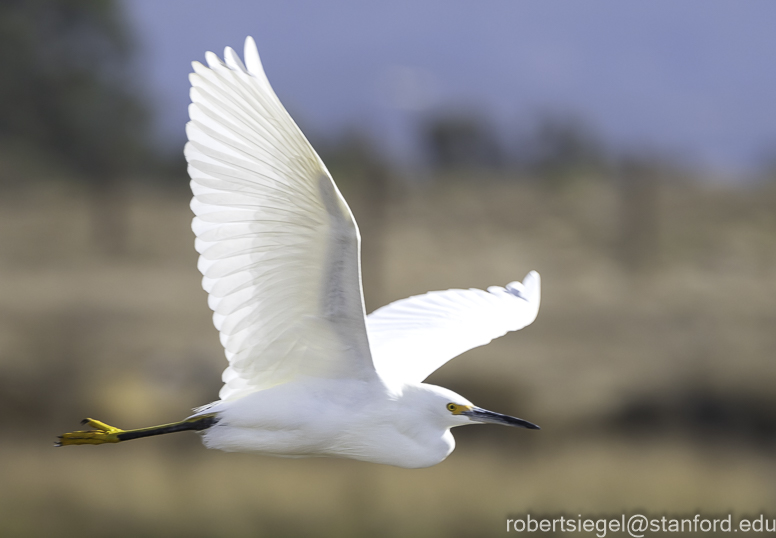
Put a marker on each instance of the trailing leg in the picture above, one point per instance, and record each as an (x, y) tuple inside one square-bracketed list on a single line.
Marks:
[(103, 433)]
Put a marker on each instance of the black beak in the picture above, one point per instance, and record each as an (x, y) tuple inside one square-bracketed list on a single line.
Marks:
[(481, 415)]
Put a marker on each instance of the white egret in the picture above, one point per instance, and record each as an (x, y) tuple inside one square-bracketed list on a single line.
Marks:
[(309, 374)]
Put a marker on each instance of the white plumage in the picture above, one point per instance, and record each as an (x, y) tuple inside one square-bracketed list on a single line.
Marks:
[(309, 374)]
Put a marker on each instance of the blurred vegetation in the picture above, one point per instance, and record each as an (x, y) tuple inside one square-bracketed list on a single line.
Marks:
[(455, 141), (650, 367), (70, 94), (555, 149), (561, 147), (70, 99)]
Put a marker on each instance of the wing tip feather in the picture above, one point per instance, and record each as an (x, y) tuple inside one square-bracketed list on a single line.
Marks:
[(233, 60)]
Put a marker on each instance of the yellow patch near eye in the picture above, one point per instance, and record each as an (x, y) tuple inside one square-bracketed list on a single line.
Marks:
[(458, 409)]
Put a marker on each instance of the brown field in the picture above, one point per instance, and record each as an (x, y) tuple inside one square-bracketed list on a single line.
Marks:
[(650, 367)]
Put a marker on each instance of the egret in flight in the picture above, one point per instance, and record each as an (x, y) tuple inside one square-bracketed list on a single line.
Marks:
[(309, 373)]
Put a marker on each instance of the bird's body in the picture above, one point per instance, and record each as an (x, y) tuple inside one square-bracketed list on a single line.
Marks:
[(372, 422), (309, 373)]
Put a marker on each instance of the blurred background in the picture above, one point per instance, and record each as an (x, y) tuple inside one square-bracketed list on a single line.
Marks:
[(625, 151)]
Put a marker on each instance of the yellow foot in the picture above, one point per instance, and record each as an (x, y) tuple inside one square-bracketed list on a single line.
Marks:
[(102, 433)]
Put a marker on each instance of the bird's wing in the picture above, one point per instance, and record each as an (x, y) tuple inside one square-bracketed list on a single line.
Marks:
[(278, 245), (413, 337)]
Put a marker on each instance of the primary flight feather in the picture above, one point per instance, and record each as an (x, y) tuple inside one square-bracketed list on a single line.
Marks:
[(309, 373)]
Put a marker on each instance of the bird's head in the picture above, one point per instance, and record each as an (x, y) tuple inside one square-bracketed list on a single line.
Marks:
[(451, 409)]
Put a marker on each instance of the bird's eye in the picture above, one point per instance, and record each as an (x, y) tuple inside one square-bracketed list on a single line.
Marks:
[(451, 407)]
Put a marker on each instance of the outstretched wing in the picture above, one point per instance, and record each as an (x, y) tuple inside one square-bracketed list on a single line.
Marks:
[(279, 248), (413, 337)]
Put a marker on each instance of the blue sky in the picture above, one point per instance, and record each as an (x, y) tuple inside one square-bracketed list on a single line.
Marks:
[(694, 79)]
